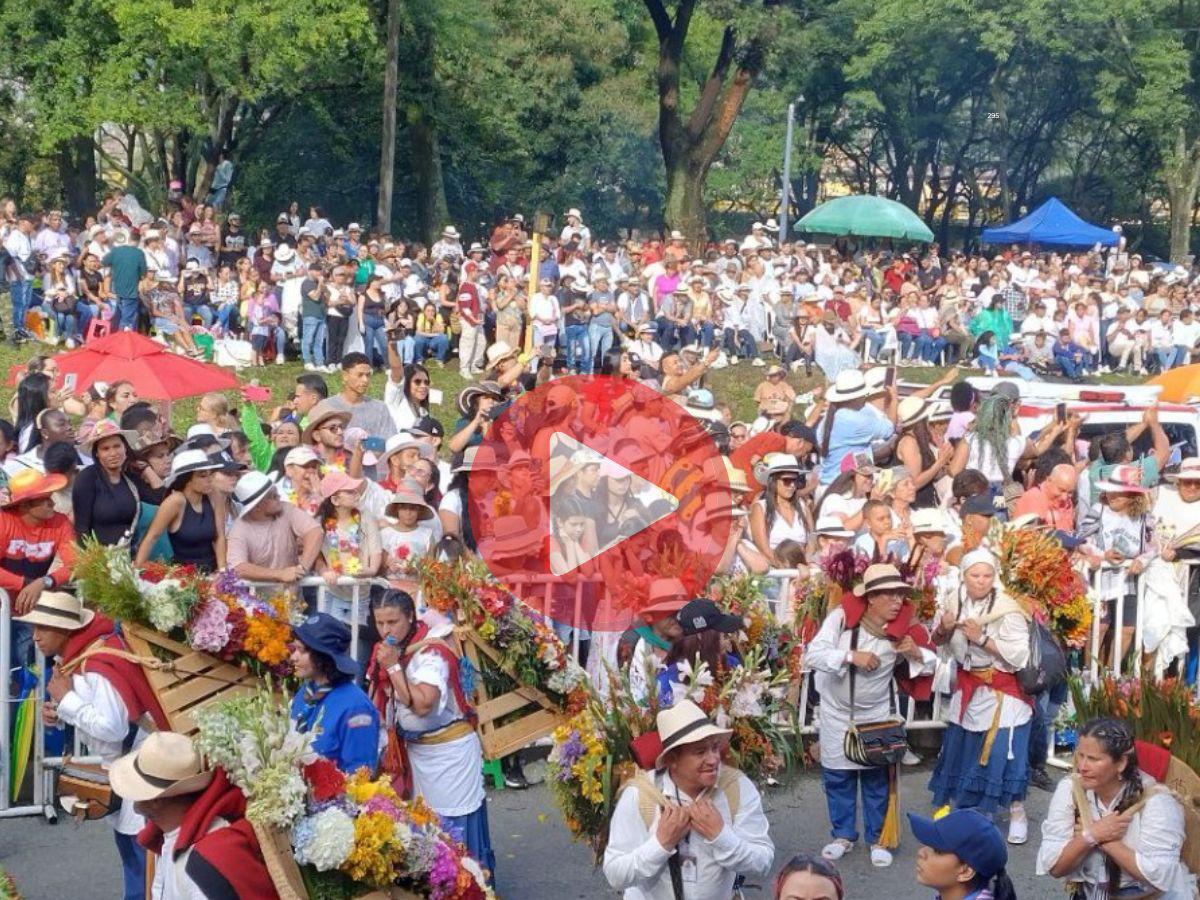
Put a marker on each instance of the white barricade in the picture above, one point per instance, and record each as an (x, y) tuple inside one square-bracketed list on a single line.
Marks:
[(1118, 624)]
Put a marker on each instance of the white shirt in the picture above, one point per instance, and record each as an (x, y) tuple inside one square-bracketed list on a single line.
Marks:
[(544, 310), (1185, 334), (981, 457), (404, 414), (1161, 336), (873, 691), (171, 881), (20, 248), (1155, 833), (1011, 634), (636, 863), (95, 708), (449, 776)]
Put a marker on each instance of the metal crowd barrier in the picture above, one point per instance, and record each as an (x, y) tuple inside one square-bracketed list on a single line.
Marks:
[(1118, 624)]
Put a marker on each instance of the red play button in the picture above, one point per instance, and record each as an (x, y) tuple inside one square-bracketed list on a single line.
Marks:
[(602, 488)]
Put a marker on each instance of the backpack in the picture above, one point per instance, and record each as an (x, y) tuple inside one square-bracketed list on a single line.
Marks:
[(1047, 666)]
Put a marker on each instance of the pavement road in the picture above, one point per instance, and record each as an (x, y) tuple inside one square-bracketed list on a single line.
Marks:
[(536, 858)]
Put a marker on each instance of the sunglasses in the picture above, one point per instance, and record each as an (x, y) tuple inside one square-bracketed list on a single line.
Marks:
[(788, 480), (420, 381), (334, 427)]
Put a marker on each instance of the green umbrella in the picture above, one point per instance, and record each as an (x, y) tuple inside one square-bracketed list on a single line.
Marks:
[(867, 217)]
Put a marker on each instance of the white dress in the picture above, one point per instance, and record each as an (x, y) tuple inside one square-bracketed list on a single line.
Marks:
[(826, 657), (1011, 634), (1155, 833)]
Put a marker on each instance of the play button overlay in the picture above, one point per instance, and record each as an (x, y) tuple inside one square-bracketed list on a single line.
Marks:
[(593, 497), (563, 445)]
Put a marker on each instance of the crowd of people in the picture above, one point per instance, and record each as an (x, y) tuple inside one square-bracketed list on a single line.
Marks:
[(345, 485)]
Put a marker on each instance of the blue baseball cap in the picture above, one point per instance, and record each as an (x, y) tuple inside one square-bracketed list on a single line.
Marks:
[(1069, 541), (330, 636), (969, 835)]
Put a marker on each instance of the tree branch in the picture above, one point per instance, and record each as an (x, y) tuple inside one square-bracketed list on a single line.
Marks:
[(712, 87), (662, 21)]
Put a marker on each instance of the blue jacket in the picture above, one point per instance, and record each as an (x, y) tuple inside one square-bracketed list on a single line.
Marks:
[(348, 722)]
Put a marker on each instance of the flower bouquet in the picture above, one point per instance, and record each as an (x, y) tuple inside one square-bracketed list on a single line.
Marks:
[(215, 614), (349, 835), (8, 887), (1164, 712), (1037, 572)]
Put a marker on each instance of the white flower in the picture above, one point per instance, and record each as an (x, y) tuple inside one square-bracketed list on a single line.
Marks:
[(476, 871), (404, 834), (325, 840)]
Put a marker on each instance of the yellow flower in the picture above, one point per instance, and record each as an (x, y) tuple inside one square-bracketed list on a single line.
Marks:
[(372, 859)]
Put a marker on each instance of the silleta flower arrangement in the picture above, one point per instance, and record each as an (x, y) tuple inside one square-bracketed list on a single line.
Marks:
[(529, 649), (1037, 572), (1161, 712), (216, 614), (349, 834)]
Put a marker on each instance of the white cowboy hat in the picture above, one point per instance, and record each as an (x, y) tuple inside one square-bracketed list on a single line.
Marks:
[(451, 232), (928, 521), (574, 213), (499, 351), (285, 253), (850, 385), (1189, 470), (912, 410), (684, 723), (251, 489), (881, 577), (56, 609), (167, 764), (777, 464), (832, 526), (186, 461)]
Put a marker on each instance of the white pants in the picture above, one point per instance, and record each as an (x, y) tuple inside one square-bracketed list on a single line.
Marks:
[(470, 350)]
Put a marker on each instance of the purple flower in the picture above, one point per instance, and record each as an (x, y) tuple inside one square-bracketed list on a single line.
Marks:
[(382, 804), (443, 875)]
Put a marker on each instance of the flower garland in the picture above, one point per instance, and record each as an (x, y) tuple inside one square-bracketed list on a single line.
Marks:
[(217, 614), (342, 550)]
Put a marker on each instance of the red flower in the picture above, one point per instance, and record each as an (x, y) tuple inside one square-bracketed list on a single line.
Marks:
[(403, 553), (325, 780)]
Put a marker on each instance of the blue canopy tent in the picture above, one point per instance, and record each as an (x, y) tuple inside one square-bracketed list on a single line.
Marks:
[(1051, 223)]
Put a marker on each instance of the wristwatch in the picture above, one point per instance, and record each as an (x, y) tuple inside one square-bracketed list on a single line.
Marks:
[(47, 581), (394, 668)]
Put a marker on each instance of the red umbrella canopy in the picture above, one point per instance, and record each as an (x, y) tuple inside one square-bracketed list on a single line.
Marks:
[(156, 373)]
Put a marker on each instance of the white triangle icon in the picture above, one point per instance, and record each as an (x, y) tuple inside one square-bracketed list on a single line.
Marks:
[(570, 461)]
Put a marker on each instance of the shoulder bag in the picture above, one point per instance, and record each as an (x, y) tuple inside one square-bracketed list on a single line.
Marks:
[(881, 743)]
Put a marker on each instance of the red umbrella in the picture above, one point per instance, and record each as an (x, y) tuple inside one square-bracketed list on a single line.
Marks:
[(156, 373)]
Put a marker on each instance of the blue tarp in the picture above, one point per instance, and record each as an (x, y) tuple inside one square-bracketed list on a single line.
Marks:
[(1051, 223)]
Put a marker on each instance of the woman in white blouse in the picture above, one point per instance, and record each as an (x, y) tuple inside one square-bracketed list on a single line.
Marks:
[(1111, 830), (856, 651), (984, 760)]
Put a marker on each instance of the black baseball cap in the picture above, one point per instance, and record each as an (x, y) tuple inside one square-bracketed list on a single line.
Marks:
[(979, 505), (428, 426), (703, 614)]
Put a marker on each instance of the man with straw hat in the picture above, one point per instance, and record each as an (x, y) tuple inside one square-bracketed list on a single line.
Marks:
[(197, 822), (693, 825), (862, 646), (652, 637), (1178, 505), (104, 694)]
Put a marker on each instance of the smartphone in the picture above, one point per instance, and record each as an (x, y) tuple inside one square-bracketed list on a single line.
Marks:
[(69, 382), (889, 377), (1060, 413), (374, 444), (436, 397)]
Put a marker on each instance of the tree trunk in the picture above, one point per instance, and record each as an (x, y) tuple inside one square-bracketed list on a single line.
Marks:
[(432, 212), (77, 171), (220, 136), (1181, 174), (387, 138), (685, 201)]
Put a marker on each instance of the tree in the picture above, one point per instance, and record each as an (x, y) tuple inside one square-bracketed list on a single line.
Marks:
[(690, 147)]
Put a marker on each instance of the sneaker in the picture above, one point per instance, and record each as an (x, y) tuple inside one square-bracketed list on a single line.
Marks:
[(516, 782), (733, 360), (1040, 779), (330, 369), (836, 849), (759, 362), (911, 759), (70, 343), (880, 857), (280, 361), (1018, 828), (309, 367)]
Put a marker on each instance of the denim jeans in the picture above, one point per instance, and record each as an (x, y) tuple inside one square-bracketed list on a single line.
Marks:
[(127, 314), (312, 340), (203, 310), (929, 348), (1168, 357), (375, 339), (437, 344), (666, 334), (1073, 369), (842, 787), (22, 294), (68, 326), (404, 347), (600, 341), (86, 312), (873, 341), (226, 315), (706, 331), (577, 348), (740, 342), (908, 344), (133, 865)]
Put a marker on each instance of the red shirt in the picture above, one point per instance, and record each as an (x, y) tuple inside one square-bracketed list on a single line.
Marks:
[(468, 303), (29, 549), (754, 449)]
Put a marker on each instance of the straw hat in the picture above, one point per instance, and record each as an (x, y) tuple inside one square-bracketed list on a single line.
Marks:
[(498, 352), (1189, 470), (481, 457), (682, 724), (1125, 479), (881, 577), (107, 428), (187, 461), (408, 495), (850, 385), (56, 609), (167, 764), (322, 413), (912, 410), (402, 440), (251, 489), (776, 464), (30, 484), (832, 526), (146, 442), (511, 536), (483, 389), (928, 521)]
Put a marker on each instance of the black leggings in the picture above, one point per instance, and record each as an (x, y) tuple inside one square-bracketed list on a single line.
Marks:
[(336, 337)]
